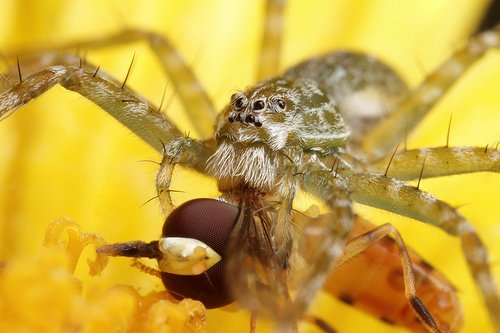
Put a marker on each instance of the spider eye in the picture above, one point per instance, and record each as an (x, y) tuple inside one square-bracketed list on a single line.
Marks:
[(209, 221), (258, 105), (279, 104), (239, 102)]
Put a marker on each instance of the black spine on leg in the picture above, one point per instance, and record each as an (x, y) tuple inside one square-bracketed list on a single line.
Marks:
[(423, 313)]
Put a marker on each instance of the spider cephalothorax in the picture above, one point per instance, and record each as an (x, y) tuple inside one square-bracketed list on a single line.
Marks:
[(265, 130)]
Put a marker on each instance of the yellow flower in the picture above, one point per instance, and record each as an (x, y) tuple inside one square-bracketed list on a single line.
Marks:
[(62, 156)]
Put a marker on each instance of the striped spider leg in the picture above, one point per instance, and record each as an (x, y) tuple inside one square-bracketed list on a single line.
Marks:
[(390, 194)]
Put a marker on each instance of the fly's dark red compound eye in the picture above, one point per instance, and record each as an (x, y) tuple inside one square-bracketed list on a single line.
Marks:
[(211, 222)]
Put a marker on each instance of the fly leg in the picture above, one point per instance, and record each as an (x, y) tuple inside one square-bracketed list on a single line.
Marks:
[(362, 242), (403, 199)]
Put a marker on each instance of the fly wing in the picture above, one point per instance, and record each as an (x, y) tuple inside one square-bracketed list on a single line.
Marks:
[(317, 247), (256, 277), (320, 242), (259, 279)]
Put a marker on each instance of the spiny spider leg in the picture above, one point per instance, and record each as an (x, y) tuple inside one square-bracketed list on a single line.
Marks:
[(163, 182), (135, 113), (362, 242), (323, 239), (194, 98), (192, 94), (403, 199), (440, 161), (177, 151), (391, 130), (333, 190)]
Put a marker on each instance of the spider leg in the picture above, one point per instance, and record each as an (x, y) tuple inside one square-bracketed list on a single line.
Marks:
[(395, 196), (178, 151), (362, 242), (322, 241), (391, 130), (163, 181), (439, 161), (137, 114), (193, 96), (271, 39)]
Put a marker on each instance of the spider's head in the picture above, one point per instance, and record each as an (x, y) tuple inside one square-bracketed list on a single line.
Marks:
[(282, 113), (264, 131)]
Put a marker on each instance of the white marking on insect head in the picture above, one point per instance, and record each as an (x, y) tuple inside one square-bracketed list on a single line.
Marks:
[(185, 256)]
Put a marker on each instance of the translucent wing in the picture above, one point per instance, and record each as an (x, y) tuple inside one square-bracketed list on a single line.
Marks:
[(255, 274)]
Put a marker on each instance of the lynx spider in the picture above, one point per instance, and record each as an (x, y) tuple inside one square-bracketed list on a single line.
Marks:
[(428, 166)]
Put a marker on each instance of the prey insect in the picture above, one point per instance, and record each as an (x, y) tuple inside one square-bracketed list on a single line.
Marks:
[(283, 134)]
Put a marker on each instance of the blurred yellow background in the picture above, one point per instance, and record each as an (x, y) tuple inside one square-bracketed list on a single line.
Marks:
[(61, 156)]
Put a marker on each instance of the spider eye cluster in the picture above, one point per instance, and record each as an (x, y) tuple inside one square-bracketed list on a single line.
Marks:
[(241, 113), (209, 221)]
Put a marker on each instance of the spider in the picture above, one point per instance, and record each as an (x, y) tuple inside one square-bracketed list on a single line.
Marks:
[(337, 162)]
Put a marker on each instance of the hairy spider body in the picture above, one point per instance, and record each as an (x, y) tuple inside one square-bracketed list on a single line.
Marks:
[(264, 154)]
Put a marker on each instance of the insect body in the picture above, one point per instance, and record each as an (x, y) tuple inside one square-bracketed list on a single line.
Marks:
[(380, 290), (207, 221), (289, 133)]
